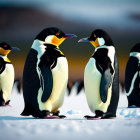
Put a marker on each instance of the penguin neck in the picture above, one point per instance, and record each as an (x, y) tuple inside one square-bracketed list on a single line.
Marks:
[(135, 54), (39, 46), (55, 48), (104, 46), (111, 49), (5, 58)]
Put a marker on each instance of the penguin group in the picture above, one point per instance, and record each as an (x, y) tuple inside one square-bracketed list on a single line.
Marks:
[(45, 76)]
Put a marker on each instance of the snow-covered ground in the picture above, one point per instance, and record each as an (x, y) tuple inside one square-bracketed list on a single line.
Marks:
[(15, 127)]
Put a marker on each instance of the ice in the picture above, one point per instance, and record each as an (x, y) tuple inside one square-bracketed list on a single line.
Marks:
[(16, 127)]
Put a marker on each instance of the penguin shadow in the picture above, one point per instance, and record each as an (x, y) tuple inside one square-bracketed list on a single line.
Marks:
[(31, 118), (15, 118)]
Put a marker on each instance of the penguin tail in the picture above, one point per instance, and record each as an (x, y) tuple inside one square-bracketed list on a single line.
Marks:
[(26, 111)]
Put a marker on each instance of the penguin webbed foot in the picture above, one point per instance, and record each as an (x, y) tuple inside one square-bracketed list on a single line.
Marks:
[(101, 115), (92, 117), (108, 116), (98, 116), (60, 116), (47, 115), (2, 103), (7, 103)]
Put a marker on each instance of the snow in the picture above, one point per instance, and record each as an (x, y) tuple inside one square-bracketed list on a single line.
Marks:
[(16, 127)]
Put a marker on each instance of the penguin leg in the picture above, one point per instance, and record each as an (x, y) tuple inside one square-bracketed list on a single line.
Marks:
[(57, 114), (108, 116), (98, 116)]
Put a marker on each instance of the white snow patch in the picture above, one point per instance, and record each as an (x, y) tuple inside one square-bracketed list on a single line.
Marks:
[(15, 127)]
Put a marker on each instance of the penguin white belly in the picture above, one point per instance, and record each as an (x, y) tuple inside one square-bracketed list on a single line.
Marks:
[(60, 79), (92, 79), (6, 81)]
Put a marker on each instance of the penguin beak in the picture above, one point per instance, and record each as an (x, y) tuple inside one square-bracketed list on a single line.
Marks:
[(86, 39), (70, 36), (14, 49)]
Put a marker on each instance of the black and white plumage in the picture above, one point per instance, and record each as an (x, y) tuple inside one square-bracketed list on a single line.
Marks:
[(132, 77), (45, 75), (101, 76), (6, 73)]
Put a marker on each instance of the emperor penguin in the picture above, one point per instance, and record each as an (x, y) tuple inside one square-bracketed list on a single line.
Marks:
[(6, 73), (101, 76), (45, 75), (132, 77)]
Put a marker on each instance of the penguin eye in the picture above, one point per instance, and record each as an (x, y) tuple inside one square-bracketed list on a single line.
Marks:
[(5, 46), (58, 35)]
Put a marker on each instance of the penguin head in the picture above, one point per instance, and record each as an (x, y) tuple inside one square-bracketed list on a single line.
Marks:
[(136, 48), (53, 36), (98, 38), (5, 48)]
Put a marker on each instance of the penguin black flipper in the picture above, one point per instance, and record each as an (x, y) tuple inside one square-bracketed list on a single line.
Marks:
[(106, 82), (2, 102), (2, 65), (46, 82)]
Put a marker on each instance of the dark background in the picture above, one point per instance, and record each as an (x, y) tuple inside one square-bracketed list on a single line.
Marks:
[(22, 20)]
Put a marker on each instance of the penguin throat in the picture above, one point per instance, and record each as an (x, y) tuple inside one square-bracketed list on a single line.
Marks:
[(101, 41), (135, 54), (106, 47), (5, 58)]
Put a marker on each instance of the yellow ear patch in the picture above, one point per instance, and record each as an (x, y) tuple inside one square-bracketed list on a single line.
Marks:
[(95, 43), (4, 52), (57, 41)]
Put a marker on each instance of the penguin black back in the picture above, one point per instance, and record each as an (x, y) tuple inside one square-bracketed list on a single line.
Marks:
[(115, 90), (31, 85)]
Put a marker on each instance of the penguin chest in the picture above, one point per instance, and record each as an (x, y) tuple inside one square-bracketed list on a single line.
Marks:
[(7, 80), (92, 79), (60, 79)]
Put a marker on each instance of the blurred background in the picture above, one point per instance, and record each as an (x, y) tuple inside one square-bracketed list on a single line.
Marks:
[(22, 20)]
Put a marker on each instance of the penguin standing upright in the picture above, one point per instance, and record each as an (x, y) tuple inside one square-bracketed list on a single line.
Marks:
[(45, 75), (6, 73), (101, 76), (132, 77)]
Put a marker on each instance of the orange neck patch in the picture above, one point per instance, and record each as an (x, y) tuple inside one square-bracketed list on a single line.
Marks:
[(95, 43), (56, 41), (4, 52)]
